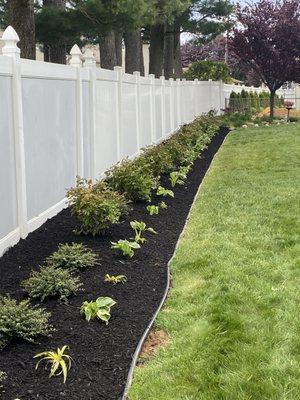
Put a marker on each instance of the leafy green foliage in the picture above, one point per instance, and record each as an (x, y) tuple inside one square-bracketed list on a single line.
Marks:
[(51, 282), (208, 69), (59, 361), (139, 228), (97, 207), (22, 320), (99, 309), (127, 248), (73, 256), (133, 179), (161, 191), (163, 205), (177, 178), (153, 209), (115, 279)]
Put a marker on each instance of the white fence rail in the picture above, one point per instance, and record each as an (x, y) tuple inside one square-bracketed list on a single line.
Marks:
[(59, 121)]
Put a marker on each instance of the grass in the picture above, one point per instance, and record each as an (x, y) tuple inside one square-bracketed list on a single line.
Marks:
[(233, 313)]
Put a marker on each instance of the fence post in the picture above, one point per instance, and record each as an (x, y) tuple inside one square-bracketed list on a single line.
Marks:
[(90, 62), (210, 83), (221, 89), (183, 101), (163, 108), (172, 88), (76, 62), (10, 49), (137, 75), (196, 83), (119, 72), (152, 107), (178, 97)]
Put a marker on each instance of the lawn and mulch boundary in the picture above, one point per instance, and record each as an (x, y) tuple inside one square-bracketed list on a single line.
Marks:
[(102, 354), (233, 312)]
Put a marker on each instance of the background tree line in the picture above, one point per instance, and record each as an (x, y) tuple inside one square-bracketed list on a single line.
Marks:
[(57, 24)]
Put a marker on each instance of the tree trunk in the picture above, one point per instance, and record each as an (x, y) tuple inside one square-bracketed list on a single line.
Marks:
[(132, 51), (57, 52), (169, 52), (177, 52), (22, 20), (118, 45), (108, 58), (272, 103), (156, 50)]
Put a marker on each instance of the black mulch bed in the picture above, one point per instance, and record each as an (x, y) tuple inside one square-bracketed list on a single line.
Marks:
[(102, 354)]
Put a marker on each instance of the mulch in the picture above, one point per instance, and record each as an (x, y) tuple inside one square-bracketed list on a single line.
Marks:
[(102, 354)]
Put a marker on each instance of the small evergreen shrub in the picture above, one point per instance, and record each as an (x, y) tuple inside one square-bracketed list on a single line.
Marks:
[(51, 282), (22, 320), (97, 207), (73, 256), (133, 179)]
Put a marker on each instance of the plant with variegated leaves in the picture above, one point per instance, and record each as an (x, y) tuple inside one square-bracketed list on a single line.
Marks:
[(139, 228), (98, 309)]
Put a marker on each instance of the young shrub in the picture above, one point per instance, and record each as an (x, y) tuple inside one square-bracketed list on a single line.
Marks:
[(73, 256), (153, 210), (115, 279), (51, 282), (97, 207), (163, 205), (22, 320), (132, 178), (99, 309), (161, 191), (139, 228), (158, 159), (59, 361), (127, 248)]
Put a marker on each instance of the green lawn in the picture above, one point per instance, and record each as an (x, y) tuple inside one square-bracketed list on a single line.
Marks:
[(233, 314)]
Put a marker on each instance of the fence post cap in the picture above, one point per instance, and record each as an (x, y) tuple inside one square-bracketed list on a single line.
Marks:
[(162, 78), (151, 76), (76, 55), (136, 73), (10, 39), (89, 59)]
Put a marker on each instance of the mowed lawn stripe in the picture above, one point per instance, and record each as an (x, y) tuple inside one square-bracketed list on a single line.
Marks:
[(233, 315)]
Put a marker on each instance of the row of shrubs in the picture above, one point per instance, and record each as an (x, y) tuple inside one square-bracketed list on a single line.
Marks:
[(97, 207), (251, 102)]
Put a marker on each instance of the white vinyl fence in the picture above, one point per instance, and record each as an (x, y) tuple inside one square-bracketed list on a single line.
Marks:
[(59, 121)]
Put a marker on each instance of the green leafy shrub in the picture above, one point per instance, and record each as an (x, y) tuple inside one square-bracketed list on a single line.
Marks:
[(208, 69), (127, 248), (97, 207), (132, 178), (99, 309), (177, 178), (51, 282), (158, 158), (73, 257), (22, 320)]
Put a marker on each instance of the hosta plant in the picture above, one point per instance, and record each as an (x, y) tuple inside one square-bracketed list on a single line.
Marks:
[(22, 320), (115, 279), (152, 209), (163, 205), (127, 248), (96, 206), (59, 361), (177, 178), (72, 256), (51, 282), (161, 191), (139, 228), (99, 309)]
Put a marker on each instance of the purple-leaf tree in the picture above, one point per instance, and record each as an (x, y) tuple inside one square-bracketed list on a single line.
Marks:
[(267, 39)]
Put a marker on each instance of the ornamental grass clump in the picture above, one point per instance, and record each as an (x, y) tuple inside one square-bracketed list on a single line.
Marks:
[(96, 206), (51, 282), (22, 320), (73, 256), (134, 179)]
